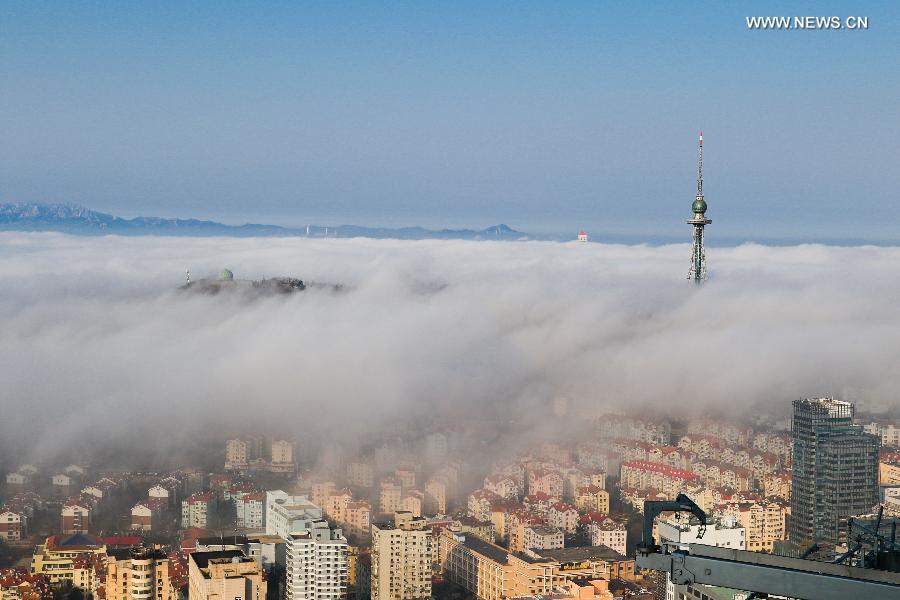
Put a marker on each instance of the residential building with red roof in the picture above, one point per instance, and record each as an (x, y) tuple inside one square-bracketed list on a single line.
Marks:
[(13, 525), (643, 475), (18, 584), (198, 510), (564, 516), (146, 515)]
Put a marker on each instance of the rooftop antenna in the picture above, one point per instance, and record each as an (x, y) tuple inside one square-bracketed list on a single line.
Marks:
[(698, 273)]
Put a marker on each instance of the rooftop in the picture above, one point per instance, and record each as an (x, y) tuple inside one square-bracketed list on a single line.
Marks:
[(202, 559), (492, 551), (577, 554)]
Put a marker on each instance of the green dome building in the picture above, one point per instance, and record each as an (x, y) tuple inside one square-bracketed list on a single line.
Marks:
[(226, 275)]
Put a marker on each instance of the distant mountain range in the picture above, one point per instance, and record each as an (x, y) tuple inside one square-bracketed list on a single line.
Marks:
[(70, 218)]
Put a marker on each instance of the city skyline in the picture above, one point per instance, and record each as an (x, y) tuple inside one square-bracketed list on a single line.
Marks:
[(387, 301)]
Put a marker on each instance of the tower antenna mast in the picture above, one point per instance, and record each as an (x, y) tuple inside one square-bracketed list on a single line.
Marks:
[(698, 273)]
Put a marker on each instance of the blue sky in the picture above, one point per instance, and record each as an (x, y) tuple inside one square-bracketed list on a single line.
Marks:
[(547, 116)]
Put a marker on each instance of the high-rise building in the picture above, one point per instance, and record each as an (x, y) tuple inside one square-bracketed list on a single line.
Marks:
[(835, 470), (286, 514), (401, 559), (698, 273), (138, 575), (316, 564), (225, 574)]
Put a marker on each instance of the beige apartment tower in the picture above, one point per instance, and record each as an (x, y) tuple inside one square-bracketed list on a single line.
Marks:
[(225, 575), (138, 575), (401, 559)]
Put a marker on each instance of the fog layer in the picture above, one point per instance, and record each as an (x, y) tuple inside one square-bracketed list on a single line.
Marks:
[(97, 341)]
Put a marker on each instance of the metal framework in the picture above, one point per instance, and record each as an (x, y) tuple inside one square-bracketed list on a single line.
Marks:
[(770, 574), (764, 574), (698, 273)]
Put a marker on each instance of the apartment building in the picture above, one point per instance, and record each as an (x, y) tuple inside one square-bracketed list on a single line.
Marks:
[(225, 574), (543, 537), (360, 474), (282, 452), (592, 498), (777, 485), (391, 496), (764, 523), (889, 468), (250, 510), (405, 477), (141, 574), (336, 505), (503, 486), (479, 504), (564, 516), (61, 486), (75, 517), (401, 559), (888, 432), (491, 572), (16, 483), (643, 475), (359, 519), (147, 515), (545, 481), (73, 558), (321, 490), (286, 514), (199, 510), (413, 501), (13, 525), (610, 533), (317, 566), (435, 496)]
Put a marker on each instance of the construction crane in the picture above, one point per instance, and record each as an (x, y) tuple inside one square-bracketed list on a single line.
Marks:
[(764, 574)]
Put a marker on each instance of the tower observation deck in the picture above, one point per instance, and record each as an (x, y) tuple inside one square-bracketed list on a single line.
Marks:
[(698, 272)]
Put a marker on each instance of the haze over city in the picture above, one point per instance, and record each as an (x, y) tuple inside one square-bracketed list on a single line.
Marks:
[(449, 301)]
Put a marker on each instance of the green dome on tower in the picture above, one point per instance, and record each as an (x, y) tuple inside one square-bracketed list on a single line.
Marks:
[(699, 205), (226, 275)]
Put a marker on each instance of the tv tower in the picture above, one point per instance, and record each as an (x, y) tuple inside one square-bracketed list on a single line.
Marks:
[(698, 255)]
